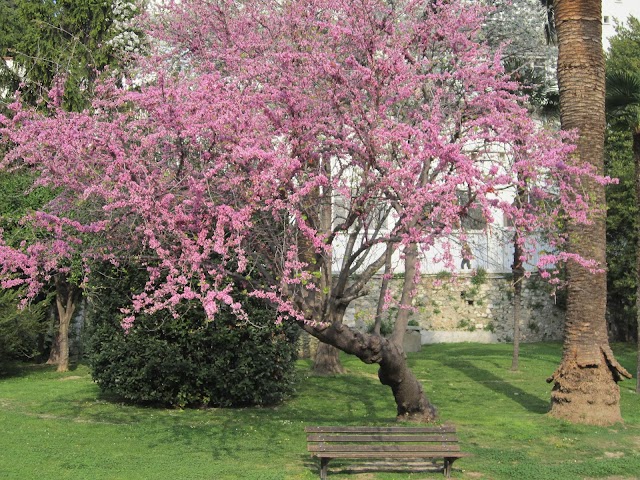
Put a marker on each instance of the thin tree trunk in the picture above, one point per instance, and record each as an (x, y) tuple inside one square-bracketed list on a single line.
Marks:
[(66, 299), (515, 358), (406, 299), (518, 275), (585, 386), (54, 352), (384, 286), (327, 358)]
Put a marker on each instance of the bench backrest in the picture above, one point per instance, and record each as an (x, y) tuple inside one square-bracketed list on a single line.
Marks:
[(382, 439)]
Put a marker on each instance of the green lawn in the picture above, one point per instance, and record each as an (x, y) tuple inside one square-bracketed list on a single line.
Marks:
[(58, 426)]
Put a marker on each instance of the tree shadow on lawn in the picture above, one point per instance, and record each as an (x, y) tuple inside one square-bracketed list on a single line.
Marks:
[(240, 433), (499, 385)]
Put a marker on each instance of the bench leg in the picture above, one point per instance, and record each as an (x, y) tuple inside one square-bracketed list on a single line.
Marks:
[(323, 468), (447, 467)]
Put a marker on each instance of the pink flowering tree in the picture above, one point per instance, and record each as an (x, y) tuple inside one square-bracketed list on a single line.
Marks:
[(290, 150)]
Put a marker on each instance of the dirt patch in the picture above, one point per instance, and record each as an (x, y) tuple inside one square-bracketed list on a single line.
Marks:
[(614, 454), (474, 474), (71, 377)]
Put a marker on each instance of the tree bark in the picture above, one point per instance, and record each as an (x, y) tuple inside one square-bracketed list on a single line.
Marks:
[(517, 270), (54, 352), (411, 401), (518, 275), (66, 300), (585, 386), (327, 360)]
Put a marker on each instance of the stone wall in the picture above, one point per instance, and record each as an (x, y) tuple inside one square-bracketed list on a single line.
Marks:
[(474, 305)]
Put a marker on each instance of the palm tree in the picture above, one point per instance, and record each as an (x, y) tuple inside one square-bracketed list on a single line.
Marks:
[(623, 100), (585, 386)]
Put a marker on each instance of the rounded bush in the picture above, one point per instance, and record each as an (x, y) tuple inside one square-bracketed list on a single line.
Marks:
[(189, 361)]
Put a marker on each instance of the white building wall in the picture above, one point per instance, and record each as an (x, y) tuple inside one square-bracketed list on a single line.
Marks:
[(616, 11)]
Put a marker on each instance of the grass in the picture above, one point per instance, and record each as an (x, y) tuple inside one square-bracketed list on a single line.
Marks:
[(60, 426)]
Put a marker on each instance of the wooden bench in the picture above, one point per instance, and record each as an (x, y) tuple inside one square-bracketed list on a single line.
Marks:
[(327, 443)]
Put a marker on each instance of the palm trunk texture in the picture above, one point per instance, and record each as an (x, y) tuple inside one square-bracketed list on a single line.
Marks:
[(585, 386)]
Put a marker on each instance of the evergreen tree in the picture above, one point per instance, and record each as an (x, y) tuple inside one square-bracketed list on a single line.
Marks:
[(62, 39), (63, 44)]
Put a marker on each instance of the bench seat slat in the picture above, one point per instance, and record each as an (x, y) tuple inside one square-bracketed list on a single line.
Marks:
[(416, 455), (380, 438), (373, 430), (353, 448)]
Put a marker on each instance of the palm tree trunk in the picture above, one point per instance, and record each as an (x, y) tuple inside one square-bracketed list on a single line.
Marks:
[(585, 384)]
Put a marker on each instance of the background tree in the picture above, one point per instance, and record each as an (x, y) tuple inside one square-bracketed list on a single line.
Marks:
[(22, 331), (52, 47), (585, 384), (622, 62), (623, 104), (518, 30), (254, 119), (64, 39)]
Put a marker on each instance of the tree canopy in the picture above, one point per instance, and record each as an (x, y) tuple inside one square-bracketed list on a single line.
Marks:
[(291, 150)]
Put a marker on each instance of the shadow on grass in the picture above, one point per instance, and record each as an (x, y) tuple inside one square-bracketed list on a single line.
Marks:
[(22, 369), (493, 382), (359, 466)]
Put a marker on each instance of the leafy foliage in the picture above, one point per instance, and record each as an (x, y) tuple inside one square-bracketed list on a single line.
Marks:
[(189, 361), (623, 68), (41, 41), (21, 330)]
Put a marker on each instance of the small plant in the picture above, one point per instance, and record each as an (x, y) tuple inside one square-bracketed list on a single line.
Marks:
[(443, 275), (386, 326), (464, 323), (480, 277), (413, 323), (534, 327), (490, 327)]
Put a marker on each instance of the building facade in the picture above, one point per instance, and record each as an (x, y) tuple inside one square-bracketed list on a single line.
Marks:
[(614, 12)]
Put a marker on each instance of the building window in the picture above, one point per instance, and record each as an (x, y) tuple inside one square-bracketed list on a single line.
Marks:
[(606, 20)]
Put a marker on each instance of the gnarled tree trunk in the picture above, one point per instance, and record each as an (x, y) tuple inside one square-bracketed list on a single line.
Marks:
[(411, 401), (585, 384)]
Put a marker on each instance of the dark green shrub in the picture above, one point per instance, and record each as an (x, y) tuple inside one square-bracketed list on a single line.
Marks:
[(21, 330), (190, 361)]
